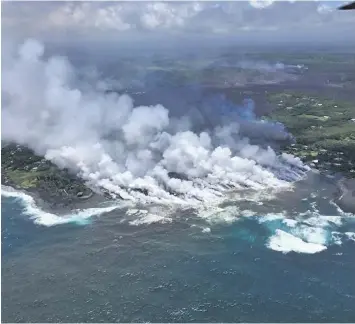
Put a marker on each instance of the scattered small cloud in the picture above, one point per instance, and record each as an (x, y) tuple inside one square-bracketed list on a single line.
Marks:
[(204, 17)]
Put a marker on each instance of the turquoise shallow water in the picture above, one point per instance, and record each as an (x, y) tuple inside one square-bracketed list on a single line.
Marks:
[(109, 270)]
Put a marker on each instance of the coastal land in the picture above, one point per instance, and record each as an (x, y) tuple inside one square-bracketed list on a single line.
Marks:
[(312, 96)]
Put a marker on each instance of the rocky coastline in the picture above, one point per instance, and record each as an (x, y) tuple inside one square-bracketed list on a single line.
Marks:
[(56, 189)]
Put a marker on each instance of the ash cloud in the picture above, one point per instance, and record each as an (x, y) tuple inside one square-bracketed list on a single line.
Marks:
[(133, 151)]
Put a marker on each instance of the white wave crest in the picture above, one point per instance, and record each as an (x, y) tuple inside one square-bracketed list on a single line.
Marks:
[(48, 219), (285, 242), (350, 236), (308, 230), (145, 217)]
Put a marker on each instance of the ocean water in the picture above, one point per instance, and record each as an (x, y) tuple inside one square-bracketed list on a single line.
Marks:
[(282, 259)]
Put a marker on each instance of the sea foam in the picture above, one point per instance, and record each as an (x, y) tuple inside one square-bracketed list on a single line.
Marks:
[(44, 218), (285, 242)]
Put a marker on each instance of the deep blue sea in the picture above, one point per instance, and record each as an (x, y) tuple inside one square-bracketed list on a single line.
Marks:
[(108, 269)]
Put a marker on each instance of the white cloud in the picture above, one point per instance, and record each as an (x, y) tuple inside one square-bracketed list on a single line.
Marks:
[(199, 17), (110, 18), (324, 9), (162, 15), (261, 3)]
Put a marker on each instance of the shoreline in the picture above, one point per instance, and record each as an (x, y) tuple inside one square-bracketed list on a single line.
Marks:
[(58, 208), (346, 200), (39, 213)]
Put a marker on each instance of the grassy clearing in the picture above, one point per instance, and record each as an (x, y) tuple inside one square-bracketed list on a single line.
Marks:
[(24, 179)]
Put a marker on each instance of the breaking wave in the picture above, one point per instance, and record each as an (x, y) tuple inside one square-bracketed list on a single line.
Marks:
[(286, 242), (30, 208), (308, 232)]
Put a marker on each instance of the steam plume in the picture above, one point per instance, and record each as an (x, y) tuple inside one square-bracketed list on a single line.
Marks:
[(136, 153)]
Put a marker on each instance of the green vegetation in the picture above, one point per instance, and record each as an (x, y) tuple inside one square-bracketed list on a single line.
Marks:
[(324, 129), (24, 179), (22, 169)]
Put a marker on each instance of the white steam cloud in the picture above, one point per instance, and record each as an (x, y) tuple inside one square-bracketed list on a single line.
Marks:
[(135, 153)]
